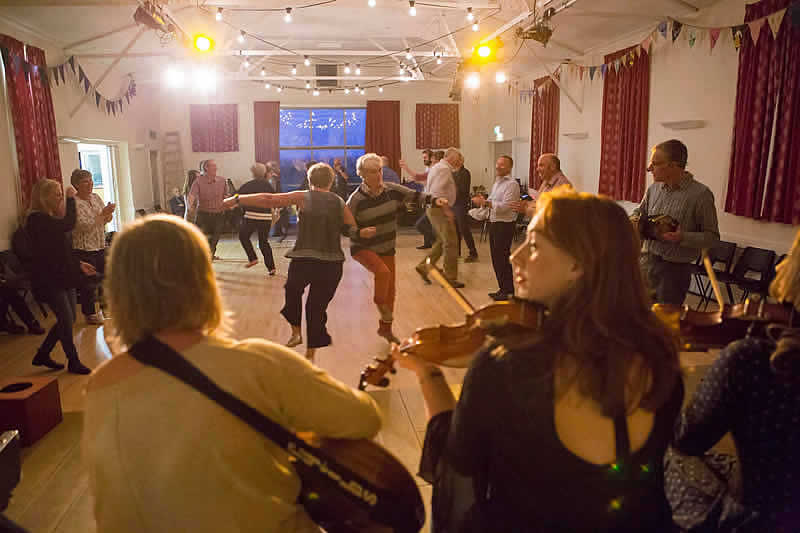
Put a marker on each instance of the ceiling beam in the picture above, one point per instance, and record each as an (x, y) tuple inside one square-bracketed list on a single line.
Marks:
[(266, 53), (516, 20), (242, 76), (331, 53)]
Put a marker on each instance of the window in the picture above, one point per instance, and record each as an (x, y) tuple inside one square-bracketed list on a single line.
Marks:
[(96, 158), (322, 135)]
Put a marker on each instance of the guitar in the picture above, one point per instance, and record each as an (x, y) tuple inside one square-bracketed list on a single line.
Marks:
[(348, 485)]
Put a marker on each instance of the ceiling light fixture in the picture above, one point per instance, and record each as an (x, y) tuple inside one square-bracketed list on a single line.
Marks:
[(438, 60), (294, 70), (380, 89), (263, 72), (470, 14), (279, 88), (288, 16), (267, 85), (500, 77), (371, 3), (347, 68), (306, 61), (308, 85), (363, 91), (346, 90), (408, 54), (203, 43), (475, 27), (316, 92), (412, 10), (473, 81), (241, 36), (358, 70), (218, 16)]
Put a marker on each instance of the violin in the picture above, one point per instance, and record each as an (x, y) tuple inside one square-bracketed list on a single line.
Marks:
[(654, 226), (456, 345)]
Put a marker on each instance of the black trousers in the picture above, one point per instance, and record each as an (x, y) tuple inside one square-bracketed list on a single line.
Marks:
[(10, 296), (501, 234), (668, 281), (323, 278), (62, 302), (246, 229), (281, 226), (211, 224), (424, 226), (463, 230), (91, 285)]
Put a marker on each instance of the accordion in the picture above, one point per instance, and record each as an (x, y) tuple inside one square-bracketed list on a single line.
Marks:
[(653, 226)]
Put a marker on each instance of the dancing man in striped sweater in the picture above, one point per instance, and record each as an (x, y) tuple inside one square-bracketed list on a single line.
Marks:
[(377, 204)]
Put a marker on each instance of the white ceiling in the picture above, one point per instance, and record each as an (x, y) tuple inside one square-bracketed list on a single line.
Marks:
[(346, 25)]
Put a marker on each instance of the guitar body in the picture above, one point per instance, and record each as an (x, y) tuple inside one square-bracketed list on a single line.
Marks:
[(342, 505)]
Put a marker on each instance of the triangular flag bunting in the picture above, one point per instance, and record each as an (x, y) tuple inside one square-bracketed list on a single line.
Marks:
[(61, 71), (580, 73), (647, 42), (755, 28), (676, 29), (662, 29), (775, 21), (631, 58), (591, 73), (128, 98), (714, 34), (692, 37), (603, 69), (737, 32), (119, 104), (617, 63), (72, 63), (97, 98)]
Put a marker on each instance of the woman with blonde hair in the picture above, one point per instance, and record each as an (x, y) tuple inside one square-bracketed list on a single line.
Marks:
[(55, 271), (574, 416), (753, 391), (162, 457)]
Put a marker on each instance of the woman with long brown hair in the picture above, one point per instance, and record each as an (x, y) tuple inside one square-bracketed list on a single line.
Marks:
[(577, 415)]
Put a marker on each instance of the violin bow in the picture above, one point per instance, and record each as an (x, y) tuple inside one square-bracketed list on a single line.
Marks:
[(712, 277), (436, 274)]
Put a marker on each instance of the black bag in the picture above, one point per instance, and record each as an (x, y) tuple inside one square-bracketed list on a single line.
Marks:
[(698, 491)]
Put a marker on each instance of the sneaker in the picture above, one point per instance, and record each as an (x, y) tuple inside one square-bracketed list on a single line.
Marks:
[(294, 341), (46, 360), (96, 319), (423, 273), (252, 263), (76, 367), (471, 258), (500, 296)]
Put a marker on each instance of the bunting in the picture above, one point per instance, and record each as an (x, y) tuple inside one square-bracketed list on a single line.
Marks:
[(662, 29), (755, 28), (775, 20), (676, 30), (692, 37), (714, 34), (737, 32)]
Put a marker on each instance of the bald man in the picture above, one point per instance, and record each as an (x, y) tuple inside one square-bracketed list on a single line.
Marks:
[(549, 169)]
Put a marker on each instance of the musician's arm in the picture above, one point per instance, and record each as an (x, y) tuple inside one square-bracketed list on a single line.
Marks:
[(706, 215), (641, 211)]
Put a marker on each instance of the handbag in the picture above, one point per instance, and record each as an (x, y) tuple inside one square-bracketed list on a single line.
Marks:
[(698, 491)]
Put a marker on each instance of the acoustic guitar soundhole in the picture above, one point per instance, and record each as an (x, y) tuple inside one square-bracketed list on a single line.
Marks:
[(16, 387)]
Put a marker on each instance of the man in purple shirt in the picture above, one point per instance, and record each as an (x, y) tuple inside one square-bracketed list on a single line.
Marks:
[(207, 194)]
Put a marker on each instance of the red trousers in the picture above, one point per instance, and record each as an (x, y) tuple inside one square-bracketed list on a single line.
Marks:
[(382, 266)]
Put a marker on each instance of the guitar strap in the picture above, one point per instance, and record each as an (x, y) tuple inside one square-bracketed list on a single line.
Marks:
[(152, 352)]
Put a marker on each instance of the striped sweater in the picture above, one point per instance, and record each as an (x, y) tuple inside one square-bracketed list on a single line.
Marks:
[(380, 211)]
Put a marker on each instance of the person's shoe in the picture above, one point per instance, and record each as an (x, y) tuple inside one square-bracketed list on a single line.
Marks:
[(76, 367), (272, 272), (471, 258), (252, 263), (385, 331), (35, 328), (46, 360), (500, 296), (493, 295), (12, 328), (215, 258), (424, 247), (294, 341), (423, 274), (96, 319), (456, 284)]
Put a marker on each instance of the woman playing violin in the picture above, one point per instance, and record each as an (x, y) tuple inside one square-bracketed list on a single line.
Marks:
[(565, 429), (753, 391)]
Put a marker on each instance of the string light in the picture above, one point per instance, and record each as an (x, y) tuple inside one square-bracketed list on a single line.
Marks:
[(308, 85), (473, 81), (306, 61), (358, 70), (380, 89), (371, 3), (363, 91), (347, 68), (241, 36), (279, 88), (267, 85), (294, 70), (408, 54), (288, 16), (346, 90), (316, 92), (438, 60), (246, 62), (475, 27), (412, 10), (470, 14), (263, 73), (218, 16), (500, 77)]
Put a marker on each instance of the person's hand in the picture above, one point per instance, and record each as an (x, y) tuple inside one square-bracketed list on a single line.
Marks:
[(442, 202), (88, 269), (404, 166), (367, 233), (672, 236), (478, 201), (522, 206), (411, 362), (229, 203), (70, 191)]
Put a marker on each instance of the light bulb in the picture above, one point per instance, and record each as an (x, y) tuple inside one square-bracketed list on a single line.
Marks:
[(358, 70), (438, 60), (371, 3), (347, 68), (267, 85), (408, 54), (412, 10), (380, 89), (279, 88), (470, 14), (288, 16), (473, 81), (306, 61), (240, 38), (316, 92), (401, 70), (263, 73), (346, 90), (246, 63), (363, 91), (294, 70), (218, 16), (500, 77), (475, 27), (308, 85)]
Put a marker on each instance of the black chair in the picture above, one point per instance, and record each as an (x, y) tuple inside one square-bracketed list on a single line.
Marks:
[(724, 253), (757, 261)]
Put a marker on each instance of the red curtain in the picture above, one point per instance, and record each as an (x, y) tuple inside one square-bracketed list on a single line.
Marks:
[(623, 149), (267, 131), (382, 131), (544, 124), (31, 108), (765, 171), (437, 126), (215, 127)]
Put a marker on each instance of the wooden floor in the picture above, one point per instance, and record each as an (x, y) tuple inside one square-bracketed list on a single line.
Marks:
[(53, 495)]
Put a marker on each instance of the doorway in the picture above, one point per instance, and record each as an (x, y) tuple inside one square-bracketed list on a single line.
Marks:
[(97, 159)]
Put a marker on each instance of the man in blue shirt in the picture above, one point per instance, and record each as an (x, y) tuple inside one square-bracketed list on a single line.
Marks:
[(388, 172)]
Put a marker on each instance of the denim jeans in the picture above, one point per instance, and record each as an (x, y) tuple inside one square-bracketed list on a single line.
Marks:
[(62, 302)]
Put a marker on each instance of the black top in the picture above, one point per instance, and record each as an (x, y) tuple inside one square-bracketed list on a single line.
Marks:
[(741, 394), (319, 230), (502, 440), (177, 206), (255, 186), (53, 266), (463, 180)]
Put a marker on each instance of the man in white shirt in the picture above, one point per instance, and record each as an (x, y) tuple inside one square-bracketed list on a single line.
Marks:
[(502, 223), (440, 184)]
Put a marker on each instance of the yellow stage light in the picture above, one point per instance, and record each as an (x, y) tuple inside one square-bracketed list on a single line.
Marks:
[(203, 43), (484, 50)]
